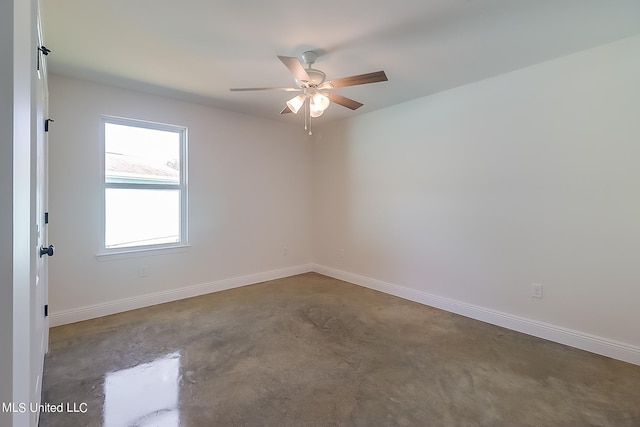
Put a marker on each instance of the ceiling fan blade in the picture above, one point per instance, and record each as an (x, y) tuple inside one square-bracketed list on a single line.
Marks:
[(286, 110), (244, 89), (296, 68), (344, 101), (361, 79)]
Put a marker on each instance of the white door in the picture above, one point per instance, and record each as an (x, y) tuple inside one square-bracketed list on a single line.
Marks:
[(40, 330)]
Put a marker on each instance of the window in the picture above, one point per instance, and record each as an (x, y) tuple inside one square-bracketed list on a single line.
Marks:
[(145, 193)]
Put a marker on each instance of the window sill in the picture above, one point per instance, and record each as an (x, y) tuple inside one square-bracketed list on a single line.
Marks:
[(136, 253)]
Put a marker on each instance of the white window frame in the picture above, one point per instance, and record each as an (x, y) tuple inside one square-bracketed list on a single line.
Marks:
[(143, 250)]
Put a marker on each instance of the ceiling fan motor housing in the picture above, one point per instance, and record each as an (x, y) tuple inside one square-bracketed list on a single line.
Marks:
[(316, 78)]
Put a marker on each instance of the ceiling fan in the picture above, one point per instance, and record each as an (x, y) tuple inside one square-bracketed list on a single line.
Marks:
[(316, 93)]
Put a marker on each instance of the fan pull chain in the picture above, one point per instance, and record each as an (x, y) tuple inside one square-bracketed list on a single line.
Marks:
[(306, 115), (309, 115)]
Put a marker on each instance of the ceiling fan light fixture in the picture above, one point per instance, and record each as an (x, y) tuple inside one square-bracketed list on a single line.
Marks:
[(295, 103), (315, 112), (320, 101)]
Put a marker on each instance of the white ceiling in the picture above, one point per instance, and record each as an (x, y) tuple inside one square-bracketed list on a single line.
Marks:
[(197, 49)]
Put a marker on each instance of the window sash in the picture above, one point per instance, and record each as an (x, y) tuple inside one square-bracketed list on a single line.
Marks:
[(142, 217), (180, 186)]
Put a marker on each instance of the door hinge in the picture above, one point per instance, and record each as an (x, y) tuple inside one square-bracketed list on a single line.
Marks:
[(46, 124), (45, 52), (46, 217), (46, 310)]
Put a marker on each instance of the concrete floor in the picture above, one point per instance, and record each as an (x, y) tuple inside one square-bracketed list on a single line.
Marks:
[(309, 350)]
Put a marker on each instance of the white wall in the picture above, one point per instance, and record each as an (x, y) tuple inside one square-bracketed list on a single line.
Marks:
[(470, 195), (249, 196)]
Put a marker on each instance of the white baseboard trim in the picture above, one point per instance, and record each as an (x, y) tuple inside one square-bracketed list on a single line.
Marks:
[(594, 344), (98, 310)]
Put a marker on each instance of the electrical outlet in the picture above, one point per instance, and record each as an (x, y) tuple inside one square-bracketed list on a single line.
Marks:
[(536, 290), (341, 253), (144, 271), (284, 251)]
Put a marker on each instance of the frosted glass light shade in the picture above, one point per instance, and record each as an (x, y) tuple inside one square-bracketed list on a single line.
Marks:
[(295, 103), (315, 112), (320, 101)]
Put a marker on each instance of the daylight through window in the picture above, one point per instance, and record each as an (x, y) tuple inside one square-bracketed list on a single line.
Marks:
[(144, 184)]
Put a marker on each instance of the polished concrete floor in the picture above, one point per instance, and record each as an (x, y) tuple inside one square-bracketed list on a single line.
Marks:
[(309, 350)]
